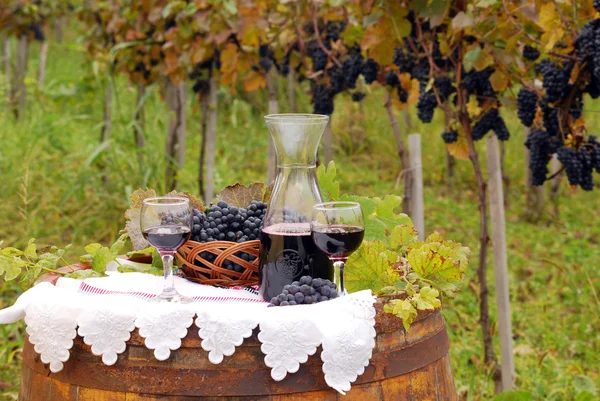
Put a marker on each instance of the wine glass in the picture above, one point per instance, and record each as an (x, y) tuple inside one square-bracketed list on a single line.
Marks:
[(337, 229), (166, 225)]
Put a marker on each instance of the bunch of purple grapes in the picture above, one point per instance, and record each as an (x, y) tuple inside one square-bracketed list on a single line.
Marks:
[(222, 222), (579, 158), (305, 291)]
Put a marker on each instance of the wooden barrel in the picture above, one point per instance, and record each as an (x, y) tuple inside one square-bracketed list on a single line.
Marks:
[(411, 365)]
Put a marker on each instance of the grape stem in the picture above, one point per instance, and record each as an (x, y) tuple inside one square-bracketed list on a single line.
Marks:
[(320, 41), (484, 319)]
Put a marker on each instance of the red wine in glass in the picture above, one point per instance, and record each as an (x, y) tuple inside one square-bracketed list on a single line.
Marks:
[(165, 222), (338, 241), (167, 238), (338, 229)]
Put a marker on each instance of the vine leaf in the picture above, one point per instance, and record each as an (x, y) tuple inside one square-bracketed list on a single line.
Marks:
[(330, 188), (439, 261), (371, 267), (194, 201), (402, 237), (460, 148), (10, 267), (241, 196), (403, 309), (427, 298)]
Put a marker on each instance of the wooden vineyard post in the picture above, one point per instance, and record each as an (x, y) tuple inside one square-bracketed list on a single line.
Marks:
[(41, 73), (405, 170), (555, 183), (211, 137), (273, 109), (175, 96), (417, 212), (139, 123), (59, 25), (182, 119), (6, 60), (202, 155), (291, 91), (107, 122), (450, 160), (500, 261)]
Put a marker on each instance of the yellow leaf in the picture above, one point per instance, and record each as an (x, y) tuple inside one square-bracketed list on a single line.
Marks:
[(484, 60), (198, 55), (499, 81), (460, 148), (229, 58), (473, 107), (254, 81), (381, 38), (551, 37), (549, 18), (444, 46), (413, 96)]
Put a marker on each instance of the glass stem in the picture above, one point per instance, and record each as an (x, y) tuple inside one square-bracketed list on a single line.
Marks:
[(167, 259), (338, 277)]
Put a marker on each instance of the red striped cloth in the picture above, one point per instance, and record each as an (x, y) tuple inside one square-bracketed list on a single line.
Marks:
[(212, 294)]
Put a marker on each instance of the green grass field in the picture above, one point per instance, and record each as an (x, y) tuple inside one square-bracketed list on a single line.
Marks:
[(51, 169)]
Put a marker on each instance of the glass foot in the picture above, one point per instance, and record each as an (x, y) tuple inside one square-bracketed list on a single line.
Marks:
[(175, 298)]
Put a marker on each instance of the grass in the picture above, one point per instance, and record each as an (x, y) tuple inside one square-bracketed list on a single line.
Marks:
[(52, 166)]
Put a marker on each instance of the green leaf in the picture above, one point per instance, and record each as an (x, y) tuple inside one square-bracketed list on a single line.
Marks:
[(434, 260), (371, 267), (385, 212), (11, 252), (92, 248), (427, 299), (141, 268), (403, 309), (101, 259), (10, 267), (83, 274), (330, 188), (156, 271), (434, 10), (141, 252), (156, 259), (514, 396), (380, 215), (31, 250), (353, 34), (48, 260), (402, 237), (368, 205), (119, 244), (471, 57)]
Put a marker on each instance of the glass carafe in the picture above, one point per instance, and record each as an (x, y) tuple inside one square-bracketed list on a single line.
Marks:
[(287, 249)]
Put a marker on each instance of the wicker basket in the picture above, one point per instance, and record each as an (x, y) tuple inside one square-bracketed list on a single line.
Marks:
[(200, 270)]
